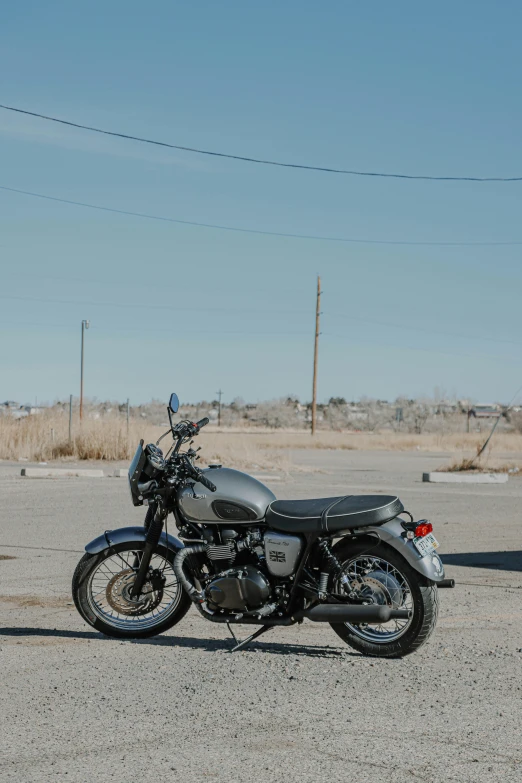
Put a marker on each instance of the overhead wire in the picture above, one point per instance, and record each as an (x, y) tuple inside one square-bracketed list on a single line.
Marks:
[(144, 307), (423, 329), (256, 160), (262, 232)]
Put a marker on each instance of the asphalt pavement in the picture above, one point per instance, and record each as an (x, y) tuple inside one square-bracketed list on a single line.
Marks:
[(297, 705)]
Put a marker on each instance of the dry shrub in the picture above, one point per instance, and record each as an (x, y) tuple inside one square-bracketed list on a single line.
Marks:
[(480, 464), (45, 437), (468, 464)]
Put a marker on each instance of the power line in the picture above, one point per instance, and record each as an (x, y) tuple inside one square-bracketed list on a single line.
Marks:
[(401, 346), (219, 227), (417, 328), (160, 332), (143, 307), (161, 329), (262, 161)]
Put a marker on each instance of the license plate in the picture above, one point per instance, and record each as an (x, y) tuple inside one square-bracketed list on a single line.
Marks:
[(426, 544)]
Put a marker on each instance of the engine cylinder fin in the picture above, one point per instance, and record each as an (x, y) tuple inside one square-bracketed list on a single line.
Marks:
[(221, 552)]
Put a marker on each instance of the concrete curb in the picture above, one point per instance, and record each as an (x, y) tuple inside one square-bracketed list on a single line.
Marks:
[(438, 477), (120, 473), (61, 473)]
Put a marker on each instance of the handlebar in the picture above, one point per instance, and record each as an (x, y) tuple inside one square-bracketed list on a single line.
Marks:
[(206, 483), (189, 428), (197, 474)]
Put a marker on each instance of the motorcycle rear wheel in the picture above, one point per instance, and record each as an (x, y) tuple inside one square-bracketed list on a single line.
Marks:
[(409, 589), (100, 591)]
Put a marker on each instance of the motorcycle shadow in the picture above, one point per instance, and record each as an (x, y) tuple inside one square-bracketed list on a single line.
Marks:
[(189, 642), (499, 561)]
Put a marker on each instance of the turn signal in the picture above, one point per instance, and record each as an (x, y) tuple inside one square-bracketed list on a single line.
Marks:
[(422, 529)]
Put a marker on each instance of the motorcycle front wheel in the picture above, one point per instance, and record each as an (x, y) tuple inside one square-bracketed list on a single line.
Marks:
[(384, 577), (101, 592)]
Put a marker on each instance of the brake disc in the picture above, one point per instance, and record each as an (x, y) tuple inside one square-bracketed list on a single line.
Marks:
[(119, 598), (383, 588)]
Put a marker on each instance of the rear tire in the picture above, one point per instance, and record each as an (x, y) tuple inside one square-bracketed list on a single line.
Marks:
[(424, 598), (83, 599)]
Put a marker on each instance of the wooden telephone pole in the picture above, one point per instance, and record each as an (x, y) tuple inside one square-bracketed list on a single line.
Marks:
[(316, 351)]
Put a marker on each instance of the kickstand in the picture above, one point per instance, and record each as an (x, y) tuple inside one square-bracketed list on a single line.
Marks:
[(239, 645)]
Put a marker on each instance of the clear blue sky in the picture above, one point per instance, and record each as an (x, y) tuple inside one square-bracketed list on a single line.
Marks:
[(409, 87)]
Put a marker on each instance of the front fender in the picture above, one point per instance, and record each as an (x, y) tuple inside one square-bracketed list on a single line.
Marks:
[(390, 533), (129, 535)]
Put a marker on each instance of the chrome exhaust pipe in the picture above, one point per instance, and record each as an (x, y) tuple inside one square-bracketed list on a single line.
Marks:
[(353, 613)]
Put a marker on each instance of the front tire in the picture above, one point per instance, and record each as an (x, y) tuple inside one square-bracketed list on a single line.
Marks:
[(100, 592), (415, 592)]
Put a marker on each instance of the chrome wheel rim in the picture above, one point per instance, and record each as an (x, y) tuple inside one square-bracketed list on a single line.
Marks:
[(380, 582), (108, 592)]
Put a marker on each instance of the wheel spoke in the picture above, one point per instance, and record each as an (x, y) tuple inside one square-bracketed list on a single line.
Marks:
[(113, 577), (382, 582)]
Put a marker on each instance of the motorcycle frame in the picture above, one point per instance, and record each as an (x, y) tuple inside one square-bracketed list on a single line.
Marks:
[(390, 533)]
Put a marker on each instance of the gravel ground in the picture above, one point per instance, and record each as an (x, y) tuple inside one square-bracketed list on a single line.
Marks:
[(297, 704)]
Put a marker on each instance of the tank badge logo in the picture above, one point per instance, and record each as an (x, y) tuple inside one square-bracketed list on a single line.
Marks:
[(277, 557)]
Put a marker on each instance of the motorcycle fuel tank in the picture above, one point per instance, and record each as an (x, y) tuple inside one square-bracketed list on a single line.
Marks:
[(238, 499)]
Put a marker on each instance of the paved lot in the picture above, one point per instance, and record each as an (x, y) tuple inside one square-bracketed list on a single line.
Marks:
[(297, 705)]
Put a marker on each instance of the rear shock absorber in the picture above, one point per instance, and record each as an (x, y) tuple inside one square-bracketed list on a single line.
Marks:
[(331, 562)]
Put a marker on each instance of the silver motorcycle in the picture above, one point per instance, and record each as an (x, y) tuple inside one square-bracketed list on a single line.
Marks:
[(358, 562)]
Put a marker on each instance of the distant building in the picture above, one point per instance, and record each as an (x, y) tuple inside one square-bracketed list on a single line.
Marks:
[(17, 411), (486, 411)]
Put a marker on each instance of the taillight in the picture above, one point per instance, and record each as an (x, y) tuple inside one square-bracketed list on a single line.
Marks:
[(422, 529)]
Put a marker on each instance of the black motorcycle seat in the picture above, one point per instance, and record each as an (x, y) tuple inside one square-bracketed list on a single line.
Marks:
[(331, 514)]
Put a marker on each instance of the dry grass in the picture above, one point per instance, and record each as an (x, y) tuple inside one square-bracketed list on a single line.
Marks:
[(377, 441), (483, 464), (45, 437)]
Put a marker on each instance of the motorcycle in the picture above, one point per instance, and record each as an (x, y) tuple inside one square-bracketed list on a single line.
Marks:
[(244, 557)]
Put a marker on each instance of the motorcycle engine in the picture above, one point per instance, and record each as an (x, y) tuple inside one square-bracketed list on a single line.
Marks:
[(240, 589)]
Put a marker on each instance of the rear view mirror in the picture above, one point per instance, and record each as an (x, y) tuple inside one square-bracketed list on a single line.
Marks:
[(173, 403)]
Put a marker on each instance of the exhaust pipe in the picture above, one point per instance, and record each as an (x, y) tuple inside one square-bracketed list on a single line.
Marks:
[(177, 565), (445, 583), (356, 613)]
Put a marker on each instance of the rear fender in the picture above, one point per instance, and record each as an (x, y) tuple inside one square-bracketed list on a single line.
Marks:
[(390, 533), (129, 535)]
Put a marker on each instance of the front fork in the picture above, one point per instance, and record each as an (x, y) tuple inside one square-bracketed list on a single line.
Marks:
[(154, 527)]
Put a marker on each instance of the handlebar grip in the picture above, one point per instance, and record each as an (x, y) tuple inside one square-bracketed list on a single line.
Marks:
[(206, 483), (202, 422)]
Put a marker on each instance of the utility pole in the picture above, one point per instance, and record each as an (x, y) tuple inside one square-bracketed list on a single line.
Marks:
[(219, 394), (316, 352), (70, 417), (128, 411), (85, 325)]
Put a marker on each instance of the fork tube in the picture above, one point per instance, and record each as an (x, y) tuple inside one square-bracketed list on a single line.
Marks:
[(149, 516), (151, 542)]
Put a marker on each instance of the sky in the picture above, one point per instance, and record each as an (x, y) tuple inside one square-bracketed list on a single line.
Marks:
[(412, 87)]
